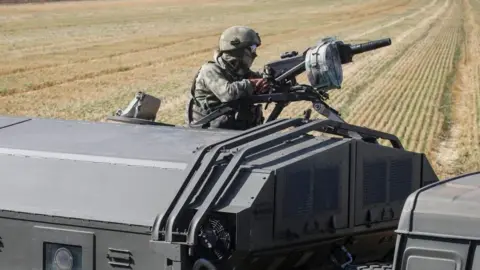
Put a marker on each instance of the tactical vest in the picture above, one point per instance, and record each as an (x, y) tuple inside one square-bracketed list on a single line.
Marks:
[(190, 110), (193, 101)]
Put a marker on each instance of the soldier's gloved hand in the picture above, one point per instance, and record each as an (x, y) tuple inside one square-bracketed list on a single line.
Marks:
[(260, 85)]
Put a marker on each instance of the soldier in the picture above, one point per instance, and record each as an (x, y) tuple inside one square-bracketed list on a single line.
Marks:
[(228, 78)]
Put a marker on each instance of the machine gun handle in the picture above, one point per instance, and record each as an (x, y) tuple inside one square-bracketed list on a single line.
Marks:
[(370, 46)]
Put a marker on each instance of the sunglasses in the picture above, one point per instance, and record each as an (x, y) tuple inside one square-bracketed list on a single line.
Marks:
[(253, 49)]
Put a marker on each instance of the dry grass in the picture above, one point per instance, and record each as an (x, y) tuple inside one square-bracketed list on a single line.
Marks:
[(461, 145), (83, 60)]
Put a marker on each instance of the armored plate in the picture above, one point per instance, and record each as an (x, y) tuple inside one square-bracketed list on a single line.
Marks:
[(449, 208), (106, 172), (278, 192), (438, 228)]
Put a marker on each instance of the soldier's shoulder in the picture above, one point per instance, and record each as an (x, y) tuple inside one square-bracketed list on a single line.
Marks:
[(209, 68), (210, 65)]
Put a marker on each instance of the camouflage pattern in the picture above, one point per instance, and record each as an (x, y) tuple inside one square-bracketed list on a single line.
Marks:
[(217, 82)]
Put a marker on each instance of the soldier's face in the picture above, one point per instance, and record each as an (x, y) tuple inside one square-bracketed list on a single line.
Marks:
[(250, 55)]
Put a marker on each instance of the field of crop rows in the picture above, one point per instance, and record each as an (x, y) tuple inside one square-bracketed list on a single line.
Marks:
[(84, 60)]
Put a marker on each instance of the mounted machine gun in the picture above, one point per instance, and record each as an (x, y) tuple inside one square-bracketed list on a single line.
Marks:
[(323, 64)]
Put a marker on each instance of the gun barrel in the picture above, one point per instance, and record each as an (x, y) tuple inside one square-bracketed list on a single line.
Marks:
[(370, 46)]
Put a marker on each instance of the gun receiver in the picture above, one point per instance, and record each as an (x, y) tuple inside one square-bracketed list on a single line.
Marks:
[(292, 64)]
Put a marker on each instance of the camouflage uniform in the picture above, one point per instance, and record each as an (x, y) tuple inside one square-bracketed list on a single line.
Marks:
[(226, 79)]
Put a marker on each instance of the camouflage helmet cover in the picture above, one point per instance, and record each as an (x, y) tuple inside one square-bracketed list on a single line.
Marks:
[(238, 37)]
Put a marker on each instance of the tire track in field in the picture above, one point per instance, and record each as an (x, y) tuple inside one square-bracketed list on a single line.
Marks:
[(115, 54), (212, 33), (166, 44), (391, 89), (361, 77), (392, 83), (411, 119), (429, 120), (376, 29), (165, 103), (90, 75), (79, 105), (362, 108), (458, 152), (355, 73), (226, 9), (171, 100), (397, 40), (442, 118), (288, 110), (354, 95), (395, 92), (370, 8), (417, 102), (172, 103)]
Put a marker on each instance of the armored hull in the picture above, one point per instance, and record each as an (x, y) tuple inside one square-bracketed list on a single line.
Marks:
[(153, 197), (98, 186), (438, 227)]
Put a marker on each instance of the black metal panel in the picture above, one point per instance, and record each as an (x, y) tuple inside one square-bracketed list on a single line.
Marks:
[(256, 231), (400, 178), (316, 255), (312, 194), (327, 193), (298, 192), (374, 184), (199, 170), (385, 177)]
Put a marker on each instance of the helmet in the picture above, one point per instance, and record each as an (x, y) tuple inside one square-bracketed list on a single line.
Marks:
[(238, 37)]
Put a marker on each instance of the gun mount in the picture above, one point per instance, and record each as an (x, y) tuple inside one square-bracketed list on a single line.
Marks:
[(323, 64)]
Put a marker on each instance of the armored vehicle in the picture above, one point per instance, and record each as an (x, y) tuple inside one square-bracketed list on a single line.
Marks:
[(438, 228), (295, 193)]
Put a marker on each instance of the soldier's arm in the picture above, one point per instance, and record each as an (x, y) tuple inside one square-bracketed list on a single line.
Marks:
[(213, 79)]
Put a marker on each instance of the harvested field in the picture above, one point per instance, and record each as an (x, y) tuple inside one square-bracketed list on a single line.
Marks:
[(83, 60)]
